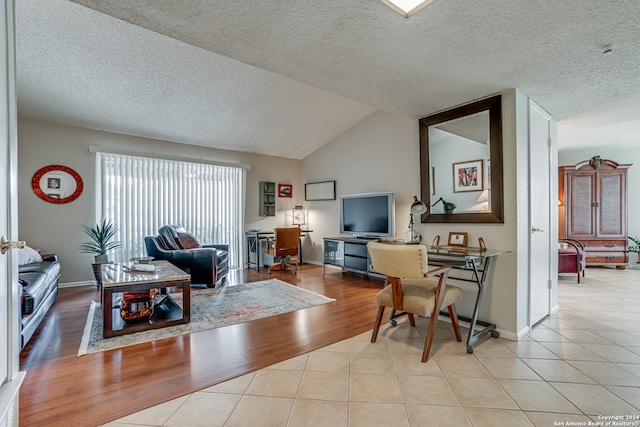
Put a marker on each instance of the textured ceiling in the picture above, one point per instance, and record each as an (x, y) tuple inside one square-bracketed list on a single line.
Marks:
[(284, 77)]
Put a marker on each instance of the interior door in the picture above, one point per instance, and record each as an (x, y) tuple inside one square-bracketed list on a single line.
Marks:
[(10, 378), (539, 213)]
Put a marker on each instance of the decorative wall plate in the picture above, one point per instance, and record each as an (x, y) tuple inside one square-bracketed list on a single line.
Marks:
[(57, 184)]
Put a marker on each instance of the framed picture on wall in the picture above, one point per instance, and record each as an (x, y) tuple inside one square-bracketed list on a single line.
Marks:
[(325, 190), (285, 190)]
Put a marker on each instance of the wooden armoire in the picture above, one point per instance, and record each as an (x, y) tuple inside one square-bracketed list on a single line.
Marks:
[(593, 209)]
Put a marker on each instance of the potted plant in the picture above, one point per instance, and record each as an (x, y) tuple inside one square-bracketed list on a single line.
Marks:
[(102, 241), (635, 248)]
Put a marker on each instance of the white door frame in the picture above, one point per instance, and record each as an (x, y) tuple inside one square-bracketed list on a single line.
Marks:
[(10, 377)]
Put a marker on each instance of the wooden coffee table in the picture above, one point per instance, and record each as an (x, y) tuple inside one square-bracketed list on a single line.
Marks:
[(117, 279)]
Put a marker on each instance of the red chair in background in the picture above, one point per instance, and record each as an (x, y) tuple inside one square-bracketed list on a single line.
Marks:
[(572, 257)]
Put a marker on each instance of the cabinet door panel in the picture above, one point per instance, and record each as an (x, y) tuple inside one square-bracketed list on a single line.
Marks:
[(581, 193), (612, 205)]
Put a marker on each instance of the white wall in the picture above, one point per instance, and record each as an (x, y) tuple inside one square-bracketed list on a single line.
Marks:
[(378, 154), (56, 228), (626, 156), (381, 153)]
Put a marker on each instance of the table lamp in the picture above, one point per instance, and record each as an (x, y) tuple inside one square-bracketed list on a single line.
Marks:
[(299, 217), (448, 206), (417, 208)]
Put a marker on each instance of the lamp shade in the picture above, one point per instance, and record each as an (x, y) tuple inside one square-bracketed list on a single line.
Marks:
[(299, 217), (417, 207)]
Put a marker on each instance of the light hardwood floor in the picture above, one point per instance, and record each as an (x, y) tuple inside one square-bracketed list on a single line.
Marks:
[(579, 365)]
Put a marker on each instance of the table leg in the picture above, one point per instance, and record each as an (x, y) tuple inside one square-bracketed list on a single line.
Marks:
[(253, 243), (489, 328), (248, 252), (186, 301), (107, 312)]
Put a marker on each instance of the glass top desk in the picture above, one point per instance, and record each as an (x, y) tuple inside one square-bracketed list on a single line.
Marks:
[(256, 241), (478, 262)]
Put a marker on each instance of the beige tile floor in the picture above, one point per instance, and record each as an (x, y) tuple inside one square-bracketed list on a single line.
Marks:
[(578, 365)]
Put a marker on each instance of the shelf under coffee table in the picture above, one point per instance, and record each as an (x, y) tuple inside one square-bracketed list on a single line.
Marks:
[(117, 279)]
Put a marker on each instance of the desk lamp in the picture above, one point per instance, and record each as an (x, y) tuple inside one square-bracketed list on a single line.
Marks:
[(299, 215), (417, 208), (448, 206)]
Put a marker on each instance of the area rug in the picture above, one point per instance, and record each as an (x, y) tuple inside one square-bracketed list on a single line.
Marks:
[(210, 309)]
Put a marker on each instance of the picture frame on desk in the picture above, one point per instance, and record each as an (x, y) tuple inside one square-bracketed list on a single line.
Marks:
[(457, 238)]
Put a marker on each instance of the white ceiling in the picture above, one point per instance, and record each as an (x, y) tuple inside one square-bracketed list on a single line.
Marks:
[(283, 77)]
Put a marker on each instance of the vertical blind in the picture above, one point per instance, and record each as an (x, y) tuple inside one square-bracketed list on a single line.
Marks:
[(140, 195)]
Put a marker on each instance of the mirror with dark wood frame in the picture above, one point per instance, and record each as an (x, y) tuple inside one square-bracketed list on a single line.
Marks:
[(461, 164)]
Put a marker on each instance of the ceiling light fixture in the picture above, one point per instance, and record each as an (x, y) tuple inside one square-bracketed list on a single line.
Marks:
[(406, 8)]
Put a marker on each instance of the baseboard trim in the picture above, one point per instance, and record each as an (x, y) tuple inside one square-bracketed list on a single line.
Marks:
[(523, 333)]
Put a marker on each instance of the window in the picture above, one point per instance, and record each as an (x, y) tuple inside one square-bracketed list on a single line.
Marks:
[(140, 195)]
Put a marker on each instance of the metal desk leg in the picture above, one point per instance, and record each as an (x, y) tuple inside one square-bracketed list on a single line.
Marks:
[(248, 252), (489, 328), (252, 246)]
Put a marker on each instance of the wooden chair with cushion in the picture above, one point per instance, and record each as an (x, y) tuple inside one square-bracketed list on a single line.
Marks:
[(411, 288), (284, 249)]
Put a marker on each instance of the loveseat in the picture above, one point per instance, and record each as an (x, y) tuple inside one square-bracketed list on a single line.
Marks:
[(207, 264), (39, 282)]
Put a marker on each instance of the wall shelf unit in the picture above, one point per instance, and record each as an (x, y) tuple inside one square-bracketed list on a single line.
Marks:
[(267, 203)]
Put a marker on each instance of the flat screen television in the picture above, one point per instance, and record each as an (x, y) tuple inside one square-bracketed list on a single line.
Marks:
[(367, 215)]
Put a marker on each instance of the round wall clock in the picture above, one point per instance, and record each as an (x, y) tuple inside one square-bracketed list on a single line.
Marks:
[(57, 184)]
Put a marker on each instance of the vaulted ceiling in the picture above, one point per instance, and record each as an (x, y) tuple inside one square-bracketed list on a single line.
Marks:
[(285, 77)]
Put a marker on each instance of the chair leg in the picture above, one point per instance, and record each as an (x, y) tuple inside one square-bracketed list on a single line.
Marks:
[(376, 326), (454, 322), (293, 266), (412, 321), (430, 333)]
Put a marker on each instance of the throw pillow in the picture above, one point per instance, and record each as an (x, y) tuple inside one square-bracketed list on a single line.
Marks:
[(28, 255), (188, 241)]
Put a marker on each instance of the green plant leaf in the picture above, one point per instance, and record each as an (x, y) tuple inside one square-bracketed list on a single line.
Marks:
[(101, 237)]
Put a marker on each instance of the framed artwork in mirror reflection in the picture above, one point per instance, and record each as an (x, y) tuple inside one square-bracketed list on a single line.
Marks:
[(467, 176)]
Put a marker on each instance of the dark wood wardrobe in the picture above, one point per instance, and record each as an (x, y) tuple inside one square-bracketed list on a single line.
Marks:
[(593, 209)]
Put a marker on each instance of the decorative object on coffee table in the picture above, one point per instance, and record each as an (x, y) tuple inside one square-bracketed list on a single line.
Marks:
[(136, 307)]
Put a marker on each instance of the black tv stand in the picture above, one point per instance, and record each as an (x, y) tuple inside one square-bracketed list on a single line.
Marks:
[(350, 253)]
